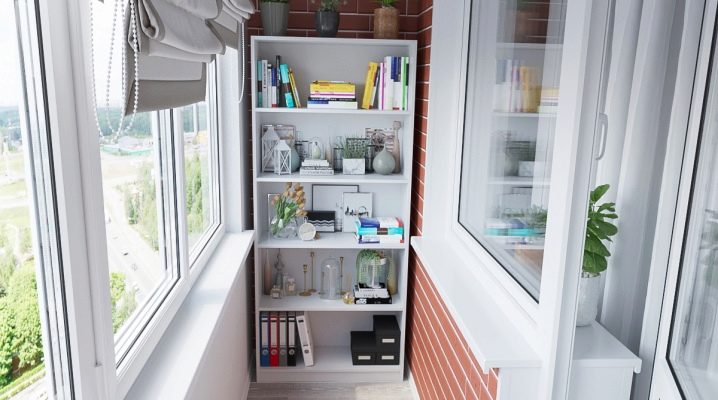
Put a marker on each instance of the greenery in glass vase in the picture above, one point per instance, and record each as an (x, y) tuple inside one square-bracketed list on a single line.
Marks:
[(329, 5), (288, 206), (598, 230), (386, 3), (354, 148)]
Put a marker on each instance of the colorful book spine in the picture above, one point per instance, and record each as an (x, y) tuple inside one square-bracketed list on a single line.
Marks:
[(258, 72), (295, 91), (380, 239), (265, 81), (288, 97), (369, 86), (380, 222)]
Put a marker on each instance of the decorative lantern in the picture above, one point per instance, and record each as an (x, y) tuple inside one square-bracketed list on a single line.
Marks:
[(270, 139), (282, 158)]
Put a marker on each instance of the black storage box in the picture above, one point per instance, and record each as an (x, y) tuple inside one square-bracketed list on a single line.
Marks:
[(363, 347), (387, 357), (387, 334)]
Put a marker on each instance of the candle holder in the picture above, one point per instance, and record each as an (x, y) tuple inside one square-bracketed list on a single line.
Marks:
[(312, 290), (305, 292), (341, 276)]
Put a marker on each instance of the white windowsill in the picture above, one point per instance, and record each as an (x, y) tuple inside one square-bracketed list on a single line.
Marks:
[(169, 372), (493, 339)]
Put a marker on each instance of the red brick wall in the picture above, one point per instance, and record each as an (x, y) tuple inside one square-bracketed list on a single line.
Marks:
[(442, 365)]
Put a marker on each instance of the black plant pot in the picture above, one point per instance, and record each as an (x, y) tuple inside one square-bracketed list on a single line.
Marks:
[(327, 23)]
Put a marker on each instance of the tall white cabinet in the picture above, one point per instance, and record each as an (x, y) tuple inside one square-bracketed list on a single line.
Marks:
[(331, 320)]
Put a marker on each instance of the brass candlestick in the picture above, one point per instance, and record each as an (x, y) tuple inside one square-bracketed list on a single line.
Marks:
[(312, 290), (341, 276), (305, 292)]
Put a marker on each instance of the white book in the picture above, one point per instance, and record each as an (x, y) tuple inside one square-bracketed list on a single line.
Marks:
[(265, 91), (388, 85), (305, 339), (315, 163), (341, 105)]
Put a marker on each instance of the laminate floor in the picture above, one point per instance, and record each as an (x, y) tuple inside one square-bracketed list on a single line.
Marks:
[(330, 391)]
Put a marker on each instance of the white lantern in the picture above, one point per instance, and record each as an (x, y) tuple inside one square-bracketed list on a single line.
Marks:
[(270, 139), (282, 158)]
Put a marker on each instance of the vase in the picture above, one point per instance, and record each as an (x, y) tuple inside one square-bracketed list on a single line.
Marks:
[(589, 290), (353, 166), (384, 163), (274, 18), (283, 229), (386, 23), (326, 23)]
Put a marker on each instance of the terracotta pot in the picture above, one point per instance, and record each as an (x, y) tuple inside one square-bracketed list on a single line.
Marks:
[(386, 23), (274, 18)]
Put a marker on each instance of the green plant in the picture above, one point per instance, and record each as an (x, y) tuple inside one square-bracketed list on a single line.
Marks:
[(386, 3), (598, 229), (288, 206), (329, 5), (354, 148)]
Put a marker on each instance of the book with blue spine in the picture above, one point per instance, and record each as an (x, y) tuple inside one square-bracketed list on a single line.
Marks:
[(288, 98), (380, 222)]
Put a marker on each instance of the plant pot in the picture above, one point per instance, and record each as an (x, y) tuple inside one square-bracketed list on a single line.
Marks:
[(589, 290), (353, 166), (326, 23), (274, 18), (386, 23)]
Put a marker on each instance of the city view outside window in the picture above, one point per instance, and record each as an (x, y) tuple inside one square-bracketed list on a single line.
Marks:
[(22, 368)]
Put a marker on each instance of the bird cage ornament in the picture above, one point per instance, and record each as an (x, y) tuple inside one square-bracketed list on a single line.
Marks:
[(270, 139), (282, 158)]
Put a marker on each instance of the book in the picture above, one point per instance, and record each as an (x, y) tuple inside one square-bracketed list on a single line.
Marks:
[(405, 82), (265, 79), (315, 163), (288, 97), (343, 105), (316, 171), (275, 97), (398, 91), (264, 339), (332, 98), (280, 83), (258, 72), (305, 338), (295, 91), (379, 239), (380, 222), (368, 86), (377, 231), (332, 86)]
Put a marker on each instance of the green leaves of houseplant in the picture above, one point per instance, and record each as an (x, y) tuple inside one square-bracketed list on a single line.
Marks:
[(598, 229)]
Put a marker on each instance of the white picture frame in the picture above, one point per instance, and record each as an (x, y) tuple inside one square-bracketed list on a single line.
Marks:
[(355, 205), (331, 198)]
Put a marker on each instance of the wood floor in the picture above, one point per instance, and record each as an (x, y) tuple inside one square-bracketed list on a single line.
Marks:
[(330, 391)]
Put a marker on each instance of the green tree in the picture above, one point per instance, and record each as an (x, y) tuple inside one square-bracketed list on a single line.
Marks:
[(123, 300), (22, 297), (6, 340), (193, 194)]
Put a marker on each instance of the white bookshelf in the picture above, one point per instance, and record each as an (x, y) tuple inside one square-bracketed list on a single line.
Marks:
[(331, 321)]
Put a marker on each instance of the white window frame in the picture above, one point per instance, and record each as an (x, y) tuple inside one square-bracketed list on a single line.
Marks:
[(65, 27), (548, 325)]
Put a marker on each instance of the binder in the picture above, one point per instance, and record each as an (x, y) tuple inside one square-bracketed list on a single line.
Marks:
[(264, 339), (305, 338), (282, 339), (274, 340), (291, 336)]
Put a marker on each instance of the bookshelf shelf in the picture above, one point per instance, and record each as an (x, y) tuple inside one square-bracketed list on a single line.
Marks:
[(336, 240), (329, 111), (314, 303), (331, 322), (529, 46), (339, 179), (501, 114)]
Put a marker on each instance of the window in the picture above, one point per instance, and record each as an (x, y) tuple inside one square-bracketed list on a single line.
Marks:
[(511, 99), (34, 354), (155, 230)]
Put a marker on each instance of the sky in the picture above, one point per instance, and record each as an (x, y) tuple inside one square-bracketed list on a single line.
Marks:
[(10, 89)]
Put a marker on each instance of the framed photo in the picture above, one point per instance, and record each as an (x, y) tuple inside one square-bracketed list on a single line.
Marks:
[(386, 138), (356, 205), (330, 198), (286, 133)]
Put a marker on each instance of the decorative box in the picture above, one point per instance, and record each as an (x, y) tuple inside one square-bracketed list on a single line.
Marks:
[(353, 166), (322, 220), (387, 334), (363, 345), (387, 357)]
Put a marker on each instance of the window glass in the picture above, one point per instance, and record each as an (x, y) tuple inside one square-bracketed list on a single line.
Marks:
[(199, 168), (22, 360), (515, 50), (135, 202), (693, 347)]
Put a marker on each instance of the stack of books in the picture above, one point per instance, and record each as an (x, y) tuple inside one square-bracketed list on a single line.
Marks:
[(549, 100), (276, 86), (364, 294), (379, 230), (332, 94), (387, 84), (316, 168)]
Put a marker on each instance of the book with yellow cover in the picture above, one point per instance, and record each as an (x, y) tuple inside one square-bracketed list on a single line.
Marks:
[(369, 85), (331, 87)]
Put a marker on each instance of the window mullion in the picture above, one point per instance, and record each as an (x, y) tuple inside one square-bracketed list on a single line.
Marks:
[(179, 195)]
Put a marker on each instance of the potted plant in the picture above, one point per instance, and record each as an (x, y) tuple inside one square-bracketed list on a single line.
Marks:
[(288, 206), (326, 19), (386, 20), (275, 14), (595, 254), (354, 151)]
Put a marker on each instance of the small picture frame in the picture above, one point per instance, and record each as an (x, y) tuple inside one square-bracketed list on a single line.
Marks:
[(355, 205), (330, 198)]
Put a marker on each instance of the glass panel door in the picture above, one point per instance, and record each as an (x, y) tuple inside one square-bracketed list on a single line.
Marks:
[(693, 341), (515, 54)]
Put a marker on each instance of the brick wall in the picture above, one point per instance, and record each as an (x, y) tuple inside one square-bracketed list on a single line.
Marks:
[(442, 365)]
